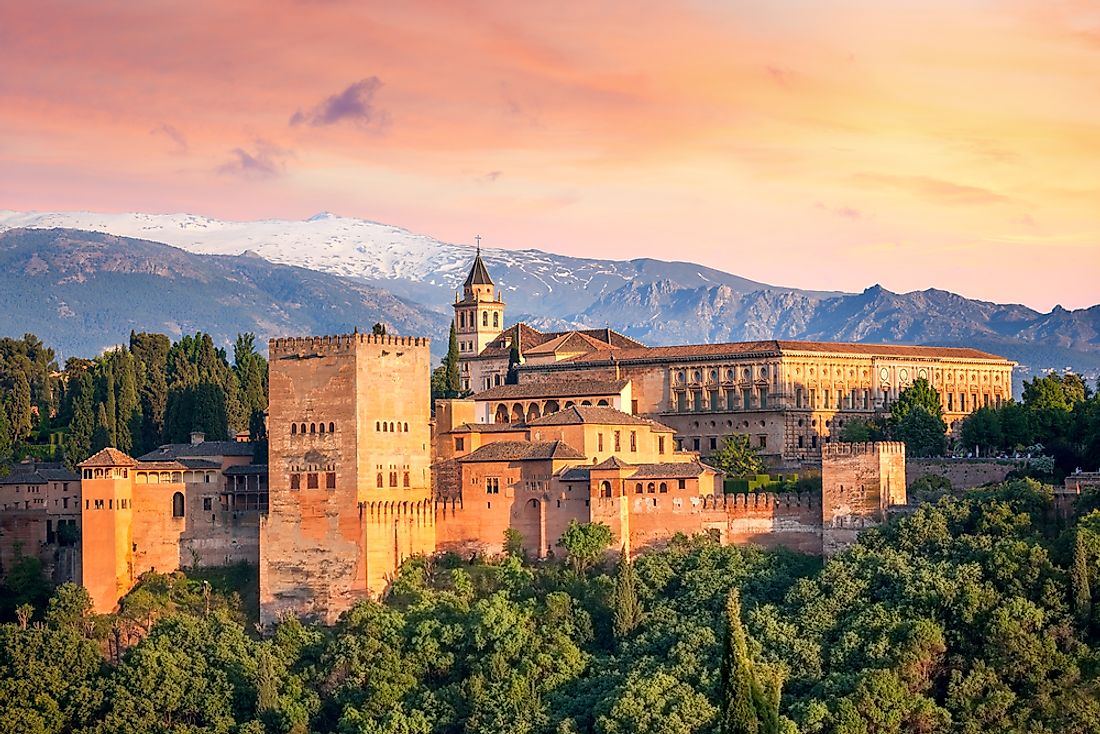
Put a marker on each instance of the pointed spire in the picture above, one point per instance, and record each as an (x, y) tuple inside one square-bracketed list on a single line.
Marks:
[(479, 274)]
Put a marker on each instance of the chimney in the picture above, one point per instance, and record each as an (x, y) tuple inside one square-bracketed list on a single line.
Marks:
[(197, 437)]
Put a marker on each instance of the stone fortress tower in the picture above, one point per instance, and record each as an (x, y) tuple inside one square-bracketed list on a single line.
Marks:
[(349, 470)]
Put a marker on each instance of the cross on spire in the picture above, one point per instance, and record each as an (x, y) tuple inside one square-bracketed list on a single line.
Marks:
[(478, 238)]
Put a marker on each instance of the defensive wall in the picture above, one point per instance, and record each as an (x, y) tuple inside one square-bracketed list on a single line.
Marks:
[(962, 473)]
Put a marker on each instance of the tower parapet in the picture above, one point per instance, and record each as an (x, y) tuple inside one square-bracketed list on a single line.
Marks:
[(859, 482)]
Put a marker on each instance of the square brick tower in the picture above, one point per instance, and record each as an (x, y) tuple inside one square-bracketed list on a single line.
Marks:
[(349, 471), (859, 483)]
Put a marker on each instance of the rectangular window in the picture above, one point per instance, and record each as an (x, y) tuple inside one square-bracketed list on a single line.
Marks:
[(713, 443), (65, 501), (681, 402), (731, 400), (460, 444), (828, 401), (798, 397), (746, 399), (110, 504), (618, 446), (962, 402), (681, 484), (866, 399), (207, 504), (697, 399), (330, 480), (311, 481), (974, 401), (695, 443), (633, 440), (660, 444), (763, 442), (715, 402), (99, 504), (492, 485), (813, 399), (599, 442), (800, 441), (763, 398), (295, 481)]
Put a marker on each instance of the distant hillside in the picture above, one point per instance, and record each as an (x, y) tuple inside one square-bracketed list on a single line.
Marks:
[(654, 301), (83, 291)]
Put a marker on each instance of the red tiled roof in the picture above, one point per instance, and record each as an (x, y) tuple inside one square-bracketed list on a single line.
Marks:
[(598, 414), (777, 347), (108, 457), (669, 470), (531, 338), (523, 451)]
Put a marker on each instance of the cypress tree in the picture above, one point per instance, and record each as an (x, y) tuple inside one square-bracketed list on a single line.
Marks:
[(514, 360), (101, 436), (453, 379), (78, 447), (5, 432), (151, 351), (628, 610), (128, 422), (1079, 576), (19, 409), (109, 400), (738, 708)]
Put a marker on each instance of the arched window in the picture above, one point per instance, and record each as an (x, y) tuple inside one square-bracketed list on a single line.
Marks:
[(377, 426), (393, 479), (406, 429), (302, 429), (293, 429), (177, 504), (605, 488), (313, 428), (484, 318), (385, 427), (462, 319), (664, 488), (496, 319), (638, 488), (406, 479), (322, 428), (380, 485), (650, 488), (331, 427), (391, 426)]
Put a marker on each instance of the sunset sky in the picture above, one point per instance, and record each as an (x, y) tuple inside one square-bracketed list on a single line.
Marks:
[(830, 145)]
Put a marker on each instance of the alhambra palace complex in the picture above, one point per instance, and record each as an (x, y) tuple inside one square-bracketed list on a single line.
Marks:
[(597, 428)]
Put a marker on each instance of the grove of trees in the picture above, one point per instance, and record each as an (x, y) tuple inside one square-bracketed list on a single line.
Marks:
[(973, 615)]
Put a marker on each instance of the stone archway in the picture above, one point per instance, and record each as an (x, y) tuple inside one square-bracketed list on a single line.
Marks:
[(501, 414), (533, 412)]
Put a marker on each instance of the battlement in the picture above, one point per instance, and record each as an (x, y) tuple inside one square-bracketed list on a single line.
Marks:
[(340, 342), (840, 450)]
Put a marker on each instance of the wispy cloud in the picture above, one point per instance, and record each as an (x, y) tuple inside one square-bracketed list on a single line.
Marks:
[(354, 104), (265, 160), (173, 134), (932, 189)]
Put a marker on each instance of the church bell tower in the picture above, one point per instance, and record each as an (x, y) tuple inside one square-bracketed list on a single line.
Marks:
[(479, 315)]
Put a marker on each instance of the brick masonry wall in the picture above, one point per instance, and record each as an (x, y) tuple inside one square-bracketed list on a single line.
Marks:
[(962, 473)]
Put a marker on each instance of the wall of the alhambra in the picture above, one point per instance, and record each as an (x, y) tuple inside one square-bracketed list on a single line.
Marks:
[(216, 537), (107, 568), (22, 533), (764, 519), (156, 533), (858, 481), (394, 385), (962, 473), (311, 539)]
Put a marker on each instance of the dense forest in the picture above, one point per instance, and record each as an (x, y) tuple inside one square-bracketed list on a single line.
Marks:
[(971, 615), (134, 397)]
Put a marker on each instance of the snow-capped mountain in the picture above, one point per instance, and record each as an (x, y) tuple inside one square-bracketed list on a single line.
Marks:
[(411, 265)]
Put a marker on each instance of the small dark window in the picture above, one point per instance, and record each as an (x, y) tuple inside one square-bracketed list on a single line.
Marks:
[(664, 487), (682, 484), (330, 480), (177, 504), (460, 444), (313, 428), (207, 504), (385, 427), (380, 485), (406, 429), (311, 481), (293, 429), (302, 429), (406, 479), (650, 488), (322, 428), (295, 481), (638, 488), (331, 427)]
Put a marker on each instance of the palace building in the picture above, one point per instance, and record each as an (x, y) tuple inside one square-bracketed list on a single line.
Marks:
[(789, 397)]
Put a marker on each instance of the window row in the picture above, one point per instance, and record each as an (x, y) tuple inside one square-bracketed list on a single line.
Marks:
[(697, 401), (313, 480), (391, 427), (301, 428), (393, 480), (469, 319), (109, 504)]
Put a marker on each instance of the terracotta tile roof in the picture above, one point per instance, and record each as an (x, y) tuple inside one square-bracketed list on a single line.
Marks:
[(773, 347), (491, 428), (108, 457), (173, 451), (556, 389), (159, 466), (200, 463), (523, 451), (246, 470), (612, 462), (573, 341), (39, 472), (682, 470), (597, 414), (532, 338), (575, 474)]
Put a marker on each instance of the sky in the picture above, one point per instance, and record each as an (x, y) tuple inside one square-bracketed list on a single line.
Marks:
[(820, 144)]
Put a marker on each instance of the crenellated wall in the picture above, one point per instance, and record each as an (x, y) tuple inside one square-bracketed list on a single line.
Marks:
[(859, 481)]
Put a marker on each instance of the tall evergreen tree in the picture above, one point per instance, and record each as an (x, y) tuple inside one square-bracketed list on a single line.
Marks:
[(515, 358), (78, 447), (129, 419), (453, 378), (1079, 577), (628, 609), (151, 351), (20, 417), (101, 436), (5, 432), (738, 709)]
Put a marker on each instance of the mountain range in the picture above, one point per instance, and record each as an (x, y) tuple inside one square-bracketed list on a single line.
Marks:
[(372, 271)]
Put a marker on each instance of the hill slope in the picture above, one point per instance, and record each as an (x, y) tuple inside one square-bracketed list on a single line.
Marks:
[(83, 291)]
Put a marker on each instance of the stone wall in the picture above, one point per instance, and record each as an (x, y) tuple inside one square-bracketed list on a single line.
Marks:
[(859, 481), (348, 470), (962, 473)]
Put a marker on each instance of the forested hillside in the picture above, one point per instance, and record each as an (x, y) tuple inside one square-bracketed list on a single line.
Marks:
[(972, 616)]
